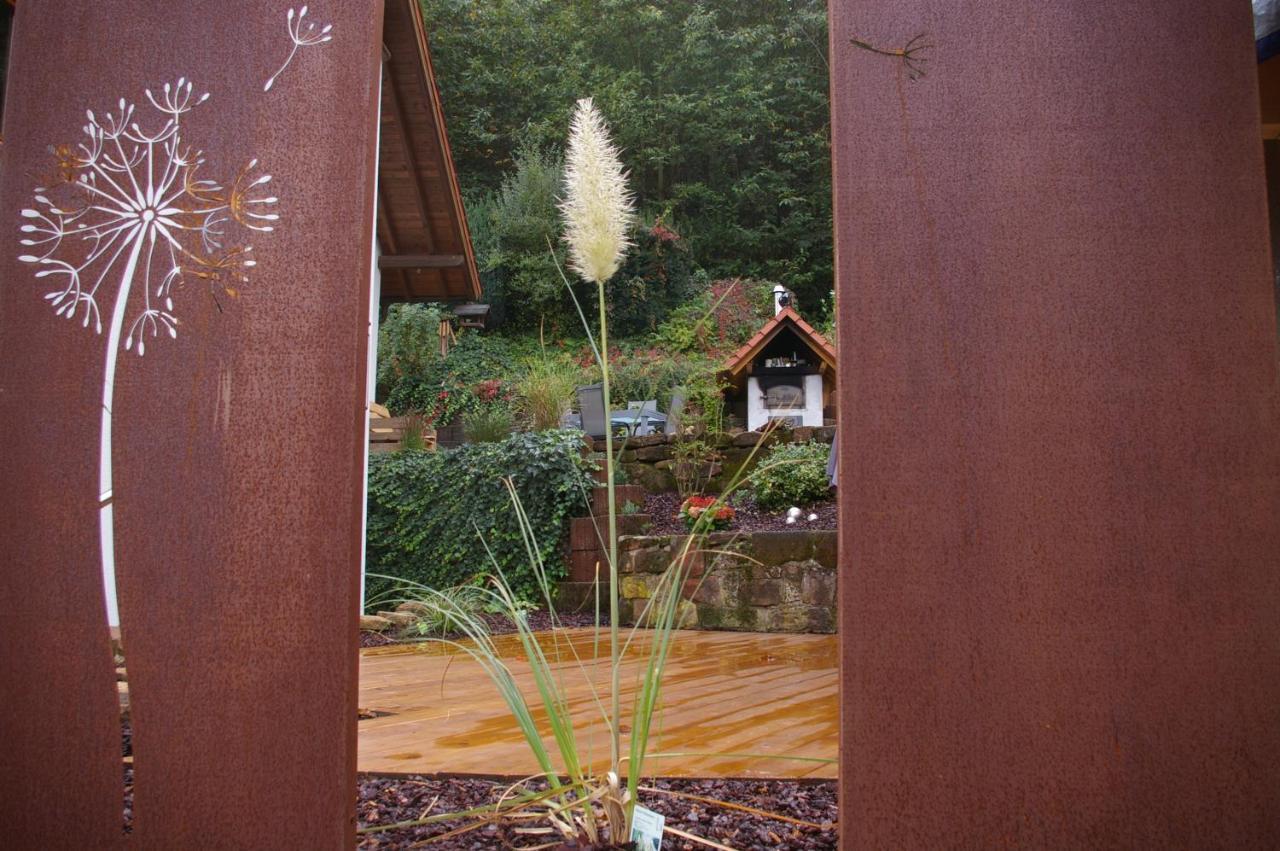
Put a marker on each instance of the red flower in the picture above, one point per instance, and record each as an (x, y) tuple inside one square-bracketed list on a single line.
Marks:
[(695, 506)]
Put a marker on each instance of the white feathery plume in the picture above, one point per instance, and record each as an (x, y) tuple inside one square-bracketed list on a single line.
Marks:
[(598, 208)]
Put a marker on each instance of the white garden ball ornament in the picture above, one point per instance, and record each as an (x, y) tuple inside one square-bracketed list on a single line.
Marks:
[(793, 513), (791, 521), (813, 517)]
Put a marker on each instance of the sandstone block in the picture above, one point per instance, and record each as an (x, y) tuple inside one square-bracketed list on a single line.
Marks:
[(399, 619), (373, 623)]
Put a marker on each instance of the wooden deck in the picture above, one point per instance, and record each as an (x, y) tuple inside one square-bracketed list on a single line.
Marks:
[(726, 693)]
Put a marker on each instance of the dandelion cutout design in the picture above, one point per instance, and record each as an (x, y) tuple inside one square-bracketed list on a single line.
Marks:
[(302, 35), (130, 210)]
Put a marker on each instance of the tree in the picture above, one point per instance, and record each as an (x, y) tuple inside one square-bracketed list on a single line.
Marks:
[(721, 110)]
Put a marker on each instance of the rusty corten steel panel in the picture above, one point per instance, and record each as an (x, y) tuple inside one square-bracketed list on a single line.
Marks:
[(195, 430), (1060, 519)]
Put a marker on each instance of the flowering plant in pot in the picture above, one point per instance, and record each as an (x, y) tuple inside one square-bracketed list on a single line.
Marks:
[(718, 515)]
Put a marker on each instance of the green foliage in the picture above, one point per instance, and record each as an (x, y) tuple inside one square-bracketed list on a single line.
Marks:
[(444, 389), (792, 474), (719, 320), (658, 276), (546, 392), (415, 426), (522, 229), (693, 463), (427, 510), (408, 344), (464, 601), (721, 111), (488, 423), (703, 412), (644, 372), (827, 326), (518, 227)]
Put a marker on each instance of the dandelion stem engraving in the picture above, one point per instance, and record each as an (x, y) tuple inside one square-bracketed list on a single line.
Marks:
[(908, 54), (128, 193), (302, 35)]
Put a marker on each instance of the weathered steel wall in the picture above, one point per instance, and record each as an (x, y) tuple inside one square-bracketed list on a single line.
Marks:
[(236, 439), (1060, 516)]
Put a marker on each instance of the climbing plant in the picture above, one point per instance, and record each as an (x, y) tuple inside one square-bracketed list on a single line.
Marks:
[(428, 511)]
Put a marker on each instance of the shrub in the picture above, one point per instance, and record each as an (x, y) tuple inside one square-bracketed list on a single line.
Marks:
[(444, 389), (647, 373), (523, 228), (792, 474), (408, 344), (720, 319), (693, 463), (427, 510), (657, 276)]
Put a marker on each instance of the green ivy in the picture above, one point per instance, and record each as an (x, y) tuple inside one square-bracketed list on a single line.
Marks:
[(446, 389), (792, 474), (428, 510)]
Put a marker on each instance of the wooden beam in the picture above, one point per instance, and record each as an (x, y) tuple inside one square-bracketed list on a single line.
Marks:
[(385, 229), (410, 156), (420, 261), (427, 81)]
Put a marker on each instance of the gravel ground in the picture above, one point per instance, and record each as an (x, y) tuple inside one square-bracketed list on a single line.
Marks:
[(665, 510), (384, 801)]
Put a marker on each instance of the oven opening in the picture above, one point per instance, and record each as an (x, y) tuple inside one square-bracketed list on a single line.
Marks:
[(783, 394)]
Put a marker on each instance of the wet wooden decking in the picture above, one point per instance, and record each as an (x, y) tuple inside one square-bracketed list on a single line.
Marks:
[(726, 693)]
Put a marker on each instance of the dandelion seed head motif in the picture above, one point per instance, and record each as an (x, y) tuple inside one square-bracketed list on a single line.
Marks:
[(128, 205), (302, 35)]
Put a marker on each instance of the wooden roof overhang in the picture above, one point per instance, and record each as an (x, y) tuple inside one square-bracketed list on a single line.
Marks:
[(422, 226), (738, 365)]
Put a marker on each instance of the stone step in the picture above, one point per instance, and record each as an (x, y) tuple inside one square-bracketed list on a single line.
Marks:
[(623, 494), (581, 597), (587, 533)]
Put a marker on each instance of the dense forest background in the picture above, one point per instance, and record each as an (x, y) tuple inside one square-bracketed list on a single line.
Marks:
[(720, 107)]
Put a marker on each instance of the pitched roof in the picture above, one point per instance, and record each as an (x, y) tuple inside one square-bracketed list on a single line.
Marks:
[(422, 227), (787, 318)]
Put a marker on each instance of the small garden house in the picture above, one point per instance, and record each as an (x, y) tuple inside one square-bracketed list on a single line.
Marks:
[(787, 371)]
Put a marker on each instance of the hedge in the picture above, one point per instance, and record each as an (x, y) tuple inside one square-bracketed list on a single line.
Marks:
[(427, 510)]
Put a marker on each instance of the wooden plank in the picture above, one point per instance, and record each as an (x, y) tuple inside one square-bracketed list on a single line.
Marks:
[(724, 692), (420, 261)]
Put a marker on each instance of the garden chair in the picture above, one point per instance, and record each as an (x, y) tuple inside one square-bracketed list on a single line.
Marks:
[(674, 411), (595, 419)]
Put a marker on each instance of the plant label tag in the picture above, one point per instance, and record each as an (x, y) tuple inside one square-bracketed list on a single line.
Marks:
[(646, 829)]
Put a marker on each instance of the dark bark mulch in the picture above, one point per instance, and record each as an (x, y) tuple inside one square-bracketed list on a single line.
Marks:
[(664, 508), (498, 625), (384, 801), (390, 800)]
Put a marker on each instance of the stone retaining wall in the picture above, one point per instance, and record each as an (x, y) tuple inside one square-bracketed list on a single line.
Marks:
[(759, 581), (648, 462)]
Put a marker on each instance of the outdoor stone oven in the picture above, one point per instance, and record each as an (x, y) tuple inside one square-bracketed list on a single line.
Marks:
[(785, 372)]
